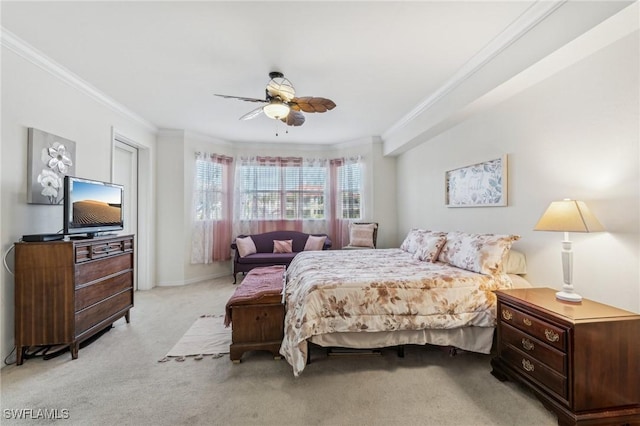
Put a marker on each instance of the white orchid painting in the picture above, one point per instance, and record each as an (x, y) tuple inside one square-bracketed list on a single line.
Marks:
[(51, 158)]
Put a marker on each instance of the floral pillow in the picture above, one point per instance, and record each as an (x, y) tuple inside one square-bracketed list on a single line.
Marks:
[(413, 240), (246, 246), (482, 253), (314, 243), (430, 247), (282, 246)]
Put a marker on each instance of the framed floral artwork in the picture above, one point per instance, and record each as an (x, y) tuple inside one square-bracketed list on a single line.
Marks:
[(477, 185), (50, 159)]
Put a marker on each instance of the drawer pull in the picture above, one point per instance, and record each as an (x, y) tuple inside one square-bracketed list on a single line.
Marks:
[(527, 321), (527, 365), (552, 336), (506, 314), (527, 344)]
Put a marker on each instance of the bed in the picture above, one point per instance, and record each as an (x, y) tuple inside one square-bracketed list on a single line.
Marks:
[(437, 288)]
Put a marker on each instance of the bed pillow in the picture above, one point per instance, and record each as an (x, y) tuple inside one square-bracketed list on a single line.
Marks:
[(361, 235), (314, 243), (516, 263), (282, 246), (246, 246), (411, 241), (482, 253), (430, 247)]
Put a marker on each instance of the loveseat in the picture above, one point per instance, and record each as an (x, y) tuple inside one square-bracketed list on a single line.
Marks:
[(273, 248)]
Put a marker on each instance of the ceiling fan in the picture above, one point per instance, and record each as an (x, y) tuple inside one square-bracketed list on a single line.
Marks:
[(281, 103)]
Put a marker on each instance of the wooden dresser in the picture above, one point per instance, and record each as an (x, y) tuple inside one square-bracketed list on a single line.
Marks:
[(67, 291), (582, 360)]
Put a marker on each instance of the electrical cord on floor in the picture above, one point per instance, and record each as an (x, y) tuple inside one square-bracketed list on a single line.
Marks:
[(7, 357), (4, 259)]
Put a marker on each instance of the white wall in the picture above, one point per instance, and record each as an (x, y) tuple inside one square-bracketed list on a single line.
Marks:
[(575, 135), (169, 215), (33, 97)]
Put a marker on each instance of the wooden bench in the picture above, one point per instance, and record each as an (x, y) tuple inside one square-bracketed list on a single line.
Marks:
[(256, 313)]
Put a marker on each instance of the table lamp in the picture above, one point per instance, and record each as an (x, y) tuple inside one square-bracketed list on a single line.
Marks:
[(568, 216)]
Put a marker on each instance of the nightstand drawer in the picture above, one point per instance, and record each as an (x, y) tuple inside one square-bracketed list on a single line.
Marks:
[(535, 369), (535, 348), (533, 326)]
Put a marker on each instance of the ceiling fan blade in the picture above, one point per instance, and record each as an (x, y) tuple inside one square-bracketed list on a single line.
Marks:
[(294, 118), (241, 98), (313, 104), (252, 114)]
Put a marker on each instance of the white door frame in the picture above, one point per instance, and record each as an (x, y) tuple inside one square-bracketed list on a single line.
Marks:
[(146, 201)]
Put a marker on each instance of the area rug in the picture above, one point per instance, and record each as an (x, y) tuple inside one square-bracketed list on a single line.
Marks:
[(207, 337)]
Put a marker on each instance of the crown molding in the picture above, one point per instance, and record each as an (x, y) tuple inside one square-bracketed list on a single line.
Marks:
[(531, 17), (31, 54)]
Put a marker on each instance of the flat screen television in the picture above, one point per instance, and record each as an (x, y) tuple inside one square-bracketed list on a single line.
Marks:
[(92, 207)]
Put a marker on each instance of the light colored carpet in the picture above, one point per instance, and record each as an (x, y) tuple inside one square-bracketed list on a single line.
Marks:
[(207, 336), (118, 380)]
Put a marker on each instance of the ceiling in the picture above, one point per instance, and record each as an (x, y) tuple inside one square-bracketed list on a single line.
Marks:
[(378, 61)]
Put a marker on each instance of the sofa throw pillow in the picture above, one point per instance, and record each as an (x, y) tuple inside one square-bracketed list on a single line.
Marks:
[(246, 246), (430, 247), (361, 235), (282, 246), (314, 243), (413, 240), (482, 253)]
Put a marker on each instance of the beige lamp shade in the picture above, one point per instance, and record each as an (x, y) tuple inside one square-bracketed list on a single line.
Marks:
[(568, 216)]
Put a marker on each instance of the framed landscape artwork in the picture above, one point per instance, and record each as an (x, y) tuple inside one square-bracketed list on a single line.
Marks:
[(50, 159), (478, 185)]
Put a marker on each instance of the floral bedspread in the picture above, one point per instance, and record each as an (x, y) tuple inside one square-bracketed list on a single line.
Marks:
[(379, 290)]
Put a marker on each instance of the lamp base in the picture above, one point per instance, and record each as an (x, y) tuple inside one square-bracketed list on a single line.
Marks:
[(568, 297)]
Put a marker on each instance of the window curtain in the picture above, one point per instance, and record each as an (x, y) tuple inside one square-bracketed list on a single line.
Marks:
[(211, 211), (342, 186)]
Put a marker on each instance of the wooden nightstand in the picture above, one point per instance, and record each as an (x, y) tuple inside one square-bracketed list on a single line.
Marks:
[(582, 360)]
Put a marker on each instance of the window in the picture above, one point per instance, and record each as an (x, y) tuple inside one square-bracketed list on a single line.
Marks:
[(271, 189), (211, 215), (210, 193), (275, 189), (304, 188), (349, 190)]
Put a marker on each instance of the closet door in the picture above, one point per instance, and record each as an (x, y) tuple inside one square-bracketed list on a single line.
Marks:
[(125, 172)]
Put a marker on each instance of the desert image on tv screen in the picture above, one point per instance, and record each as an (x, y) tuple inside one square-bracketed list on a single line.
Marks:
[(95, 204)]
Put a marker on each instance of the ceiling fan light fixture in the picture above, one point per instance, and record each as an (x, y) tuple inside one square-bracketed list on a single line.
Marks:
[(276, 110)]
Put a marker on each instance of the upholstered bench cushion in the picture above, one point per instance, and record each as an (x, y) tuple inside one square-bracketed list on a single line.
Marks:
[(261, 286)]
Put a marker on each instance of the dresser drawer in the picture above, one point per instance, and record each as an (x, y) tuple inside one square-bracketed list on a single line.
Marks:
[(542, 330), (95, 314), (94, 293), (535, 348), (100, 249), (535, 369), (97, 269)]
